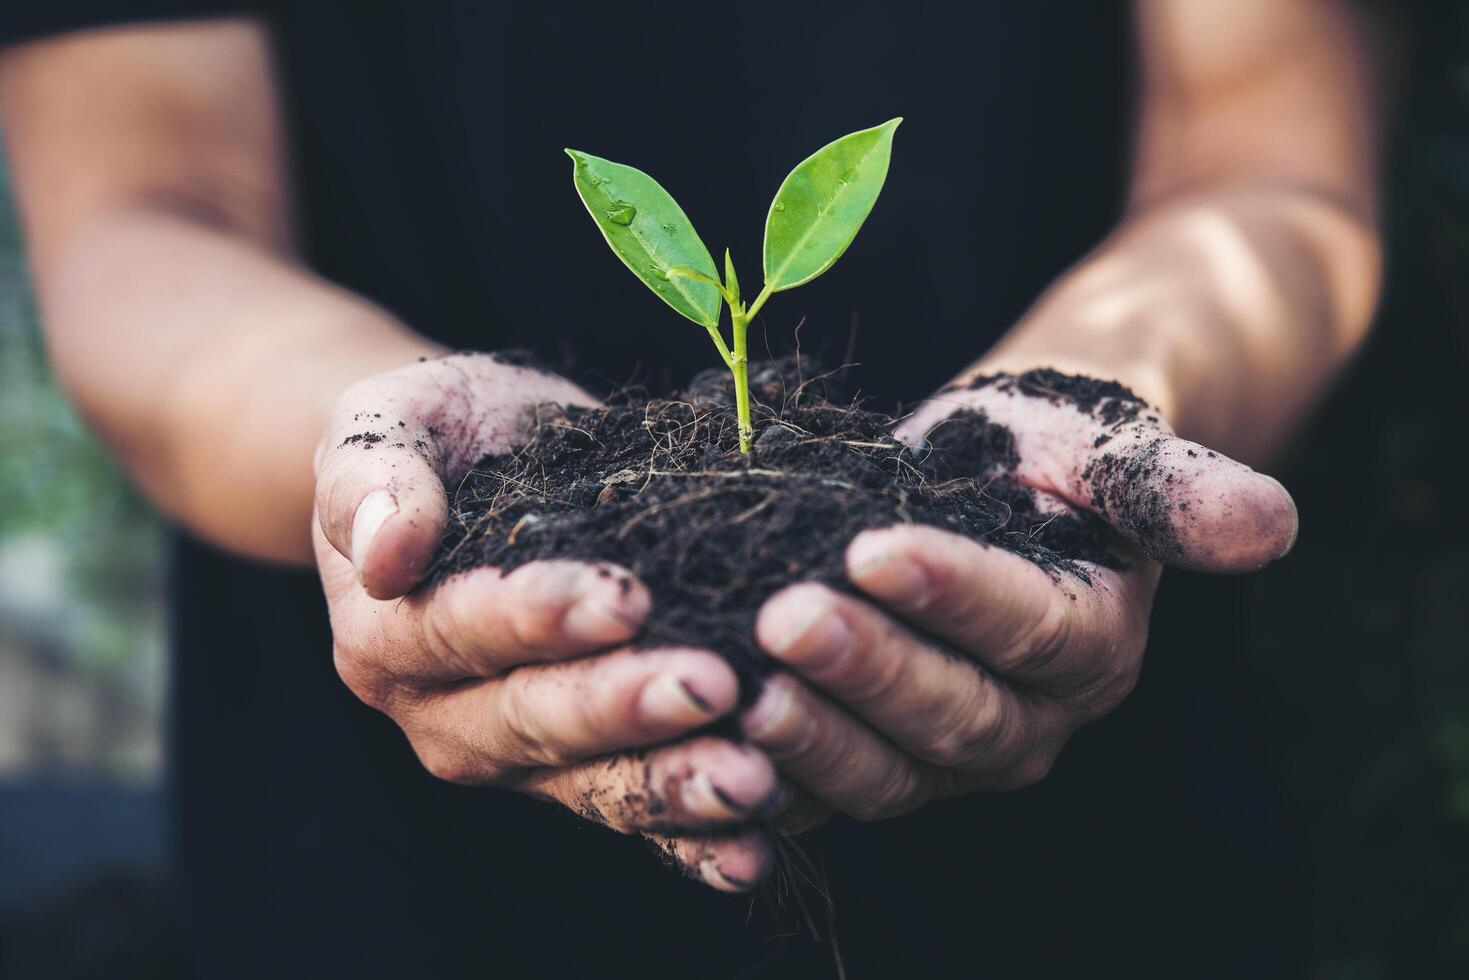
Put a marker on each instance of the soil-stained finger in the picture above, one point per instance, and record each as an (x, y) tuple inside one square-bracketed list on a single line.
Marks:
[(1188, 506), (832, 756), (560, 714), (382, 506), (933, 704), (482, 623), (1105, 450), (1057, 635), (734, 862), (702, 783)]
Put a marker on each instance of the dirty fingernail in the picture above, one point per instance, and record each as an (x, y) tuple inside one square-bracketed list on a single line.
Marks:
[(702, 797), (819, 640), (711, 874), (810, 623), (374, 511), (1295, 517), (768, 711), (670, 700)]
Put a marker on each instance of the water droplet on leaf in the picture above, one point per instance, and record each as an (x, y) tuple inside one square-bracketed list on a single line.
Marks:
[(779, 206), (621, 213)]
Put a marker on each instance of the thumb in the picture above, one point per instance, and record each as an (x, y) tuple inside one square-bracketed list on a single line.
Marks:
[(1176, 501), (1188, 506), (382, 505)]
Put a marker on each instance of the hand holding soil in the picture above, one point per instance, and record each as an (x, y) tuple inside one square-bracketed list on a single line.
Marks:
[(487, 674), (878, 715), (881, 666)]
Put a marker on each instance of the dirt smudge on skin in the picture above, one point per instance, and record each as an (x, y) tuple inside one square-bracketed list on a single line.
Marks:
[(1109, 402), (1135, 491)]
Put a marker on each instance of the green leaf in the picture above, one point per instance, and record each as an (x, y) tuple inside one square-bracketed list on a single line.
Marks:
[(649, 232), (822, 203), (731, 281)]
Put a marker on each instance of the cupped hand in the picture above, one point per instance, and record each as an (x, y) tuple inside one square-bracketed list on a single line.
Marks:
[(523, 680), (963, 667)]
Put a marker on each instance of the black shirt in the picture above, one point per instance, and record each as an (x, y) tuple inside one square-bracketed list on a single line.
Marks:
[(427, 148)]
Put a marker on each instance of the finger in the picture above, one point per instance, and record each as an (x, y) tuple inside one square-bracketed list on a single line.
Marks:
[(1177, 501), (831, 755), (932, 704), (733, 862), (703, 783), (1188, 506), (379, 499), (1078, 642), (482, 623), (560, 714)]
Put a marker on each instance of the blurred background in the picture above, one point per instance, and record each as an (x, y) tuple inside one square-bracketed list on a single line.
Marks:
[(82, 676), (1354, 653)]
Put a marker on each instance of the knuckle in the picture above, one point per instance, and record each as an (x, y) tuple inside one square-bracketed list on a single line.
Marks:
[(1116, 679), (900, 791), (449, 765), (973, 731), (440, 632), (1048, 638), (877, 673), (523, 727), (537, 613), (949, 748), (364, 679)]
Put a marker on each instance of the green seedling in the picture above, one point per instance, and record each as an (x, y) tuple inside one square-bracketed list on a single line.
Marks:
[(815, 215)]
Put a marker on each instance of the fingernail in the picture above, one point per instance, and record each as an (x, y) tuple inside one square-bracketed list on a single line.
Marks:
[(768, 711), (702, 797), (888, 574), (591, 621), (823, 637), (713, 876), (669, 700), (371, 515), (1295, 515)]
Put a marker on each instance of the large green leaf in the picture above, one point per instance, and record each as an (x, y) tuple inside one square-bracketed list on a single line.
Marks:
[(822, 203), (649, 232)]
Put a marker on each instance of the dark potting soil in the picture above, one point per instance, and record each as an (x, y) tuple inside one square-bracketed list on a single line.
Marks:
[(659, 486)]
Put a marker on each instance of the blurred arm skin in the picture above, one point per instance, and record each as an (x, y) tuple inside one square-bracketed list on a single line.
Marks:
[(1247, 266), (149, 167)]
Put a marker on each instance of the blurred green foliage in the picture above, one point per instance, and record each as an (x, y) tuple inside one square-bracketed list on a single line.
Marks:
[(84, 546)]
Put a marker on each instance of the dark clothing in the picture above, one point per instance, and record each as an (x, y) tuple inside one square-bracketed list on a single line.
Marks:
[(427, 140)]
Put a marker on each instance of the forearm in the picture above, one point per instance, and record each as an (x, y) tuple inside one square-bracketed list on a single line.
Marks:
[(1229, 308), (210, 364)]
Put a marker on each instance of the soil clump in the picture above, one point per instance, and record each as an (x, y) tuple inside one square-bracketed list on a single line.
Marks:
[(659, 486)]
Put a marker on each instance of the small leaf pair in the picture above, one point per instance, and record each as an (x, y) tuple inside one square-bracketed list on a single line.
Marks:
[(815, 215)]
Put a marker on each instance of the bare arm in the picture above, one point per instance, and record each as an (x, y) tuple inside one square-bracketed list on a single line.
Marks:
[(1247, 267), (148, 163)]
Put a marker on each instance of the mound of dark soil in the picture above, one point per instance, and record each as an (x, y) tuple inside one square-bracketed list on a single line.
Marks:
[(660, 487)]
